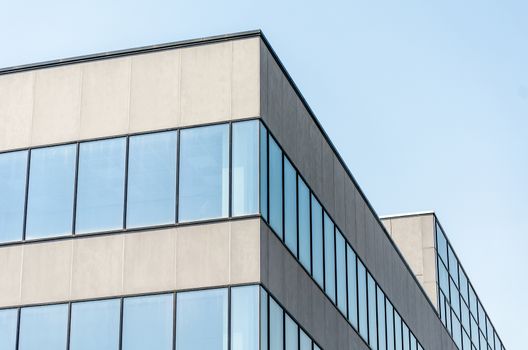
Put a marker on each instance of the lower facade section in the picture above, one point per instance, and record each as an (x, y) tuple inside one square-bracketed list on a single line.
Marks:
[(237, 318)]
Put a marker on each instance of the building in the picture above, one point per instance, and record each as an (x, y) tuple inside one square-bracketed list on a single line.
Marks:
[(185, 196)]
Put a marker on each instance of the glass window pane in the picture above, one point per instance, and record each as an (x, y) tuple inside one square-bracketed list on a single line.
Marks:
[(245, 318), (473, 301), (147, 322), (405, 336), (263, 319), (352, 287), (276, 326), (464, 315), (341, 272), (381, 320), (292, 334), (44, 327), (441, 243), (317, 242), (453, 265), (413, 342), (201, 320), (304, 225), (264, 172), (306, 342), (389, 314), (455, 298), (373, 328), (51, 187), (463, 285), (457, 335), (8, 328), (13, 169), (443, 277), (362, 300), (151, 196), (398, 331), (329, 237), (316, 347), (95, 325), (204, 173), (101, 186), (245, 168), (290, 206), (275, 184)]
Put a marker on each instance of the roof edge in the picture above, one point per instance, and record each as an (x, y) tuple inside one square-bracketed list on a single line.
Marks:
[(132, 51), (403, 215)]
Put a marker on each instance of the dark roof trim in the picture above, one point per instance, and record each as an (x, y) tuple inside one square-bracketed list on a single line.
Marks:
[(133, 51)]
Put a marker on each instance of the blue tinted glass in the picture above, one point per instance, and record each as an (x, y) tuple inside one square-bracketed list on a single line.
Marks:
[(304, 224), (352, 287), (398, 331), (474, 331), (13, 168), (245, 318), (389, 315), (466, 343), (292, 334), (464, 315), (44, 327), (147, 322), (381, 320), (8, 329), (204, 173), (329, 255), (405, 336), (453, 265), (275, 186), (201, 320), (276, 336), (316, 347), (245, 172), (473, 301), (305, 341), (441, 244), (317, 242), (101, 186), (290, 206), (413, 342), (443, 277), (341, 272), (373, 327), (264, 172), (464, 286), (455, 298), (362, 300), (457, 335), (51, 187), (151, 196), (95, 325), (263, 319)]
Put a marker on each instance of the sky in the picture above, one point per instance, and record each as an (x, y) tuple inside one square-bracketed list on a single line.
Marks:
[(426, 101)]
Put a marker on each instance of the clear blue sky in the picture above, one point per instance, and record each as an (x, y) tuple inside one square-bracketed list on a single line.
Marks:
[(427, 102)]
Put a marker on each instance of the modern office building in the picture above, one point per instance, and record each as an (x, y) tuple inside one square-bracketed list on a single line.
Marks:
[(184, 196)]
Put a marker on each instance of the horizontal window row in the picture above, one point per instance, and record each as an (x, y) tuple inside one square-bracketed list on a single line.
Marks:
[(299, 220), (236, 318), (457, 297), (152, 179)]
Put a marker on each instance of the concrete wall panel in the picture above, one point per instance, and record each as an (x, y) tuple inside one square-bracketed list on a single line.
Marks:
[(11, 272), (244, 251), (246, 79)]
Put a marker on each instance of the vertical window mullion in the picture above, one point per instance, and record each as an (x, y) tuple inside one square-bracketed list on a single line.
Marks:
[(125, 192), (26, 194), (177, 205), (230, 176)]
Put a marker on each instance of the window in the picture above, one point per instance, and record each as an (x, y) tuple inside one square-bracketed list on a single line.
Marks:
[(151, 195), (95, 325), (43, 327), (276, 334), (352, 287), (472, 301), (464, 315), (264, 172), (362, 300), (292, 334), (201, 320), (381, 320), (275, 186), (148, 322), (405, 336), (263, 319), (441, 244), (8, 328), (304, 224), (443, 277), (390, 324), (244, 318), (457, 335), (204, 173), (51, 187), (245, 168), (398, 331), (453, 265), (455, 298), (413, 342), (317, 242), (101, 185), (341, 272), (305, 341), (329, 240), (13, 168), (373, 328), (463, 285), (290, 206)]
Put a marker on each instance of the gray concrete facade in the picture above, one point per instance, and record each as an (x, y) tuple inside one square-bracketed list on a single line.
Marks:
[(191, 85)]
